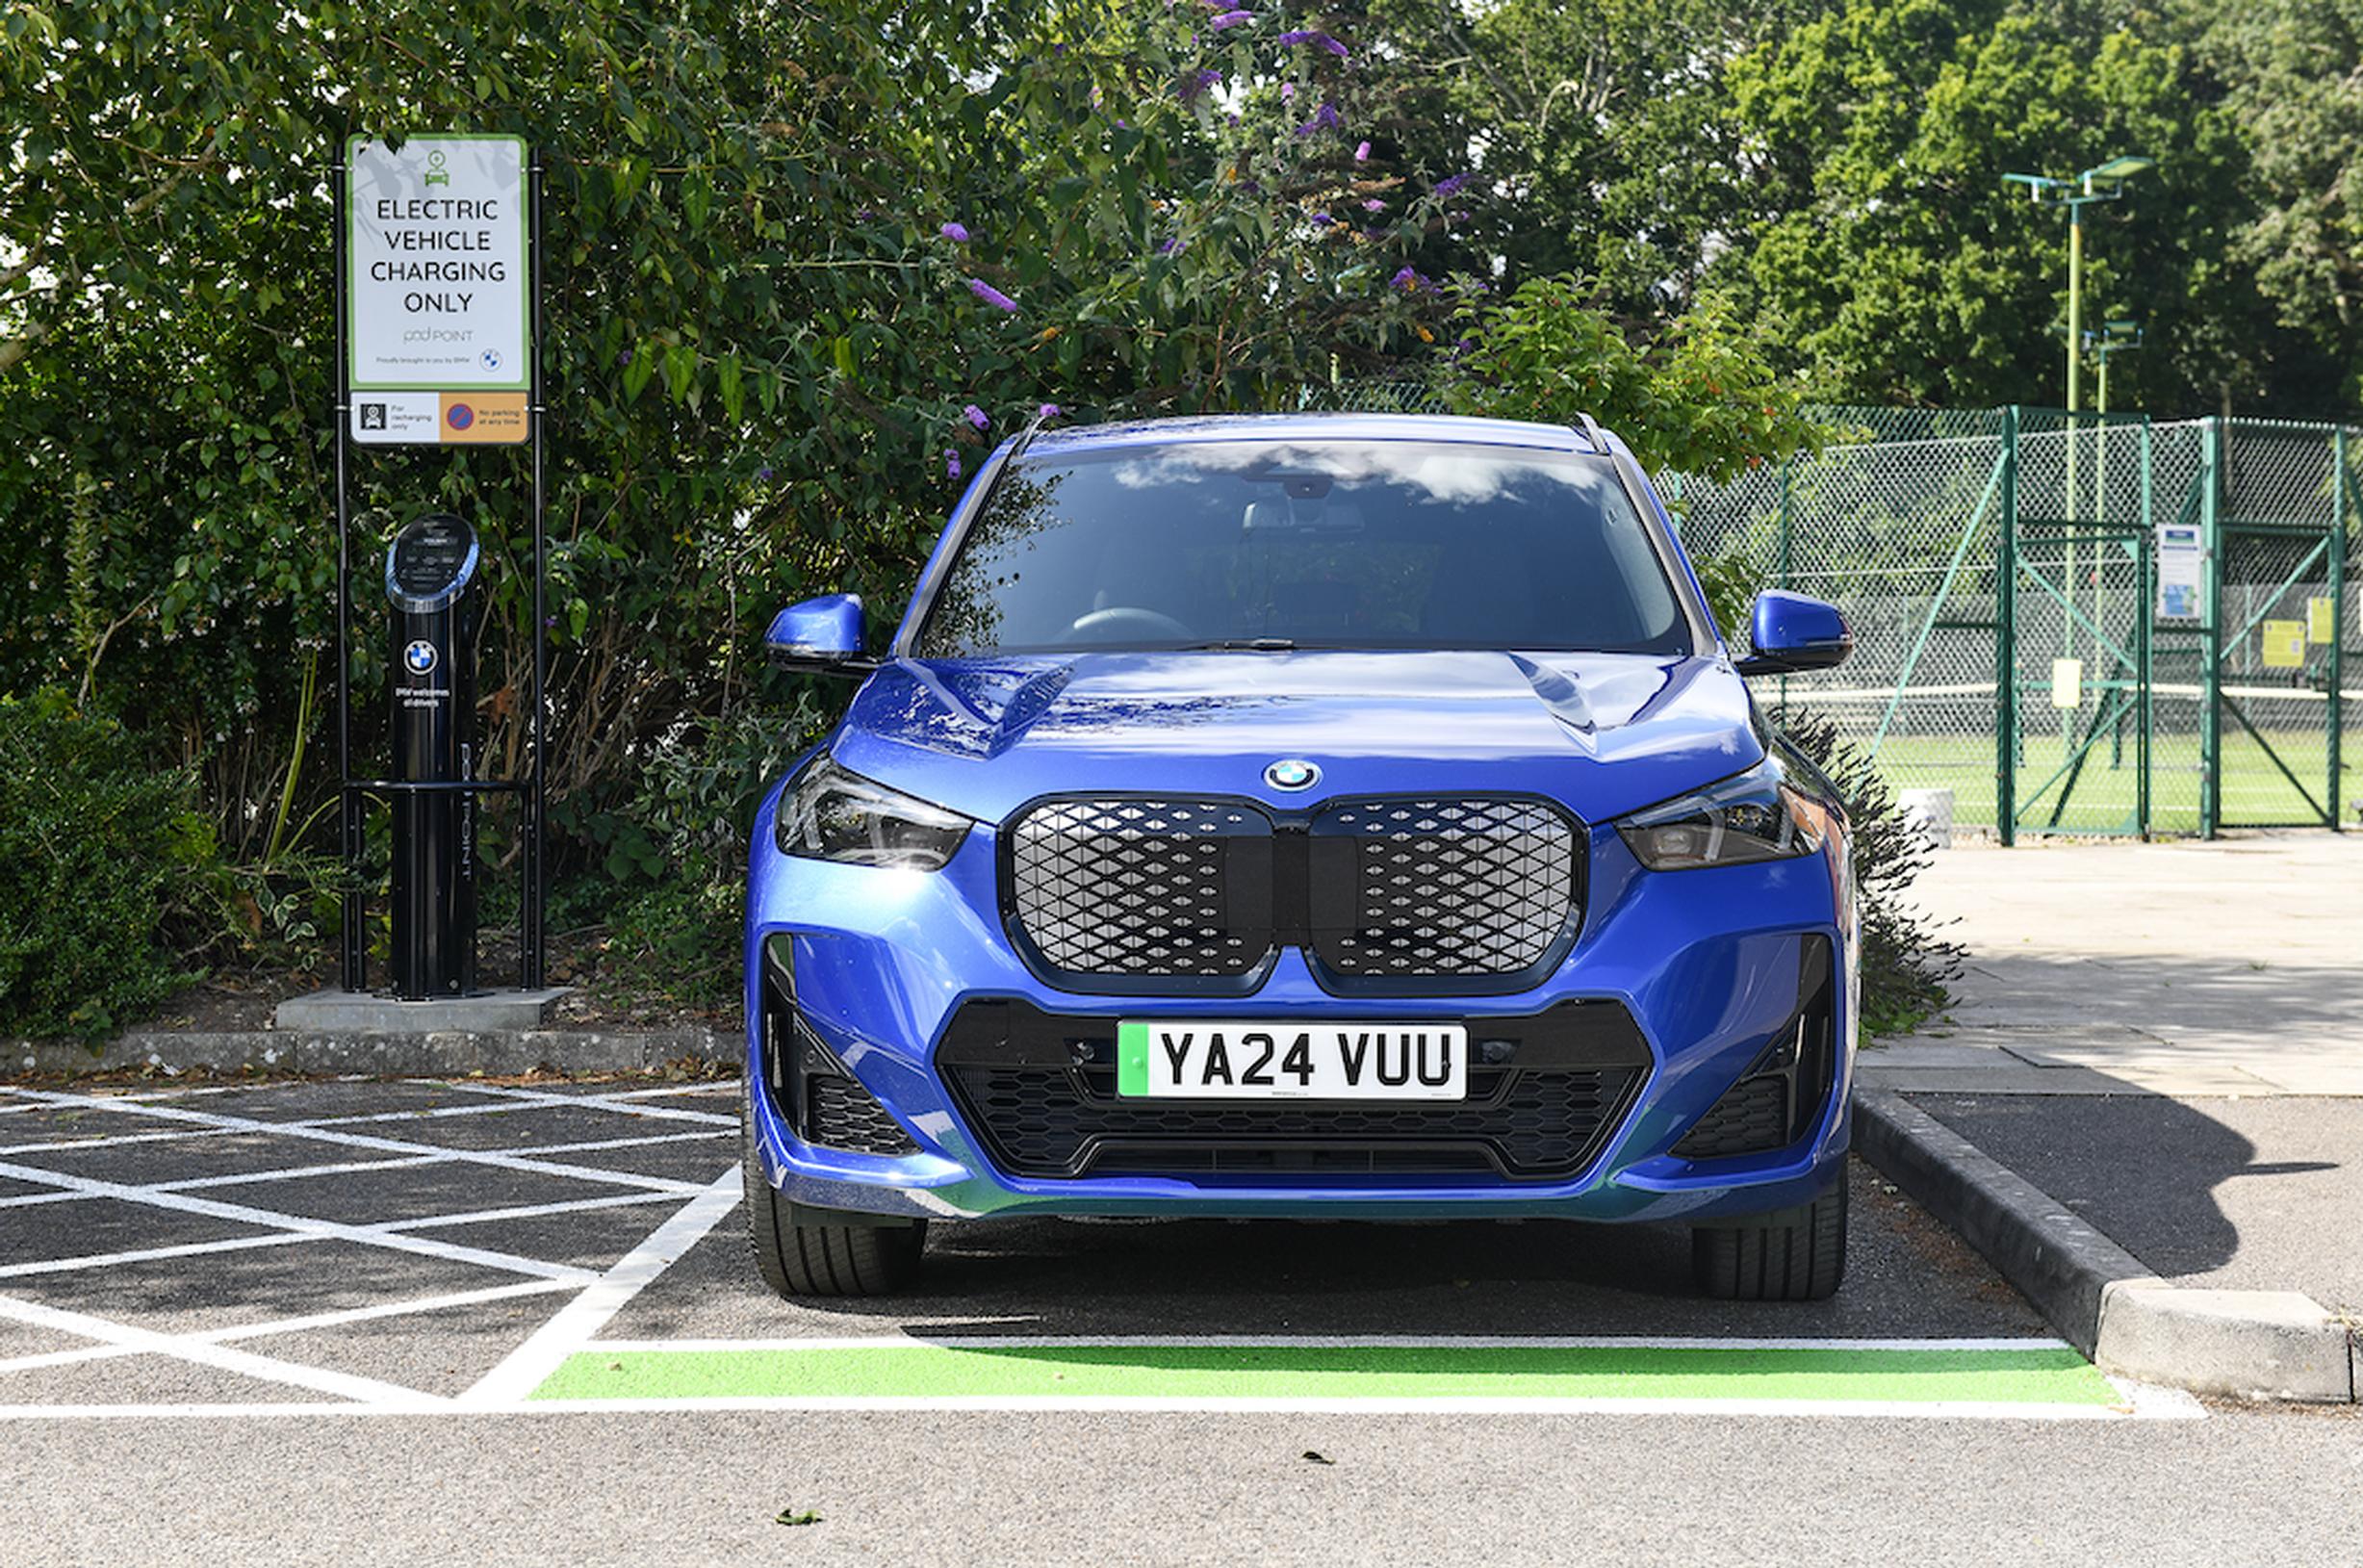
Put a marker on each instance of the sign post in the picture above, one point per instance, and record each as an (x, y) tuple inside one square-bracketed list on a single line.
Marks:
[(439, 329)]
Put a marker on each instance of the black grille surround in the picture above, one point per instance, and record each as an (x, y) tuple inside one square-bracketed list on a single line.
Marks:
[(821, 1101), (1404, 895), (1781, 1096), (1545, 1092)]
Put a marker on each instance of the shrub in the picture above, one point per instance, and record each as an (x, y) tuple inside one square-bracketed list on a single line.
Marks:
[(675, 858), (102, 857), (1904, 962)]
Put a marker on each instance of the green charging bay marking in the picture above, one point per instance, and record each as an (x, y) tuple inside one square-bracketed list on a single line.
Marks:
[(1132, 1058), (2045, 1374)]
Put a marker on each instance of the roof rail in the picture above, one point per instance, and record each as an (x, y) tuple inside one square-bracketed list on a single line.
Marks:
[(1592, 433)]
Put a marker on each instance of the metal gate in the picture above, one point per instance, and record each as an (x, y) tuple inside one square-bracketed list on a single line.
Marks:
[(2277, 617)]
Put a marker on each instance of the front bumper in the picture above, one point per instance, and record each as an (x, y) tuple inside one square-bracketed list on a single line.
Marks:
[(1706, 963)]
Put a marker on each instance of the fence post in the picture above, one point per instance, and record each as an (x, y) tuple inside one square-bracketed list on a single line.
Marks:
[(2145, 618), (2211, 680), (2338, 608), (2006, 640)]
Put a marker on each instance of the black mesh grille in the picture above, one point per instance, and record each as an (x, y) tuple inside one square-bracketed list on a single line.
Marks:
[(1449, 887), (1478, 894), (1040, 1091), (844, 1115), (1750, 1119), (1143, 888)]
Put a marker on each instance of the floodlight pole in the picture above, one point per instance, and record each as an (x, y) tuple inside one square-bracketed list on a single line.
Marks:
[(2102, 182)]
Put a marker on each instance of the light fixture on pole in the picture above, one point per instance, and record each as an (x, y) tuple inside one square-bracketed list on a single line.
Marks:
[(2103, 182)]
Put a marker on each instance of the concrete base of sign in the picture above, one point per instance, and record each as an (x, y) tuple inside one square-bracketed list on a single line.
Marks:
[(370, 1012)]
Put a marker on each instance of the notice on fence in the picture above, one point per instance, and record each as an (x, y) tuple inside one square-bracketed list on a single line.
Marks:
[(2284, 645), (2180, 563), (435, 289), (2322, 620)]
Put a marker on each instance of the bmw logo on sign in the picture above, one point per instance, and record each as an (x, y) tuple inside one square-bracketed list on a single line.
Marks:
[(1291, 773), (420, 658)]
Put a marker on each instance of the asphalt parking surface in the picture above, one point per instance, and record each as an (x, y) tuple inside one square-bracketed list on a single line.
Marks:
[(293, 1322)]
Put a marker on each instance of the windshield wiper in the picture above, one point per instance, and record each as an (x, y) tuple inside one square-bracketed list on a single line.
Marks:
[(1250, 645)]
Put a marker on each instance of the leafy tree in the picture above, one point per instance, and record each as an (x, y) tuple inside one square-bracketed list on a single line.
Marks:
[(1902, 268), (1703, 400), (2289, 70), (804, 264)]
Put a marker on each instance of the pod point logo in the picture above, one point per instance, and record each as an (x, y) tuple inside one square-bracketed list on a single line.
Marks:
[(1291, 773), (419, 659)]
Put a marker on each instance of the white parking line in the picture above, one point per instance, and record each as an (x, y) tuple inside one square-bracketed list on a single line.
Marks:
[(390, 1145), (525, 1368), (147, 1254), (407, 1307), (323, 1230), (221, 1357)]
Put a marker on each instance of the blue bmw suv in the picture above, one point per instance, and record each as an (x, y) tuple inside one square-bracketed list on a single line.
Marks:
[(1302, 816)]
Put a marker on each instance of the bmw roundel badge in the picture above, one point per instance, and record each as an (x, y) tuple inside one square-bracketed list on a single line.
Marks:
[(420, 658), (1291, 773)]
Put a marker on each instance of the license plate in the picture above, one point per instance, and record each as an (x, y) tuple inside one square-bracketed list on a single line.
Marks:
[(1227, 1058)]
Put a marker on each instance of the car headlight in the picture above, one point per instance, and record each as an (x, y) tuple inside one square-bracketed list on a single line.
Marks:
[(1756, 815), (827, 813)]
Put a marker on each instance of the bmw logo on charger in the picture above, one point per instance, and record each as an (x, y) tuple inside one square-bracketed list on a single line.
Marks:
[(419, 659)]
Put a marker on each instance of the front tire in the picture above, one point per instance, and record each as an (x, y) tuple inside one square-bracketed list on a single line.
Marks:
[(1793, 1254), (803, 1251)]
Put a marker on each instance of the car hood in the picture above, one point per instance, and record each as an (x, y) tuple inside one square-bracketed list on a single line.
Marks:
[(1605, 733)]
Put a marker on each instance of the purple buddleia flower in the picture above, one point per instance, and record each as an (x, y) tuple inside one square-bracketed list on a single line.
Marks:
[(1050, 411), (1324, 119), (1190, 87), (1362, 153), (762, 476), (1288, 90), (1230, 19), (623, 358), (1446, 188), (951, 464), (1318, 218), (957, 232), (1409, 278), (992, 295), (1373, 205), (1168, 245), (1319, 39), (975, 416)]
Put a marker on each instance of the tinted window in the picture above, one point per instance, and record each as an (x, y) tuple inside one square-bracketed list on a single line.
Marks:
[(1319, 544)]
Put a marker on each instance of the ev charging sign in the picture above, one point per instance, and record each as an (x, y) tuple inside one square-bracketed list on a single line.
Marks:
[(435, 278)]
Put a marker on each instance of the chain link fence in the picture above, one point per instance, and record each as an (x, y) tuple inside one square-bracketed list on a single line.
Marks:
[(2088, 623)]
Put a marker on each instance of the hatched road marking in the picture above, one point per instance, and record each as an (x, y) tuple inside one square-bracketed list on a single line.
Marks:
[(563, 1366)]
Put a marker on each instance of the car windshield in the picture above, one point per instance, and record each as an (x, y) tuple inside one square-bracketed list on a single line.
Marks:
[(1306, 544)]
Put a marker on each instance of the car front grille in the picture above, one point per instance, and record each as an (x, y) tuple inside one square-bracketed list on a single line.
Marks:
[(1395, 894), (1124, 886), (1447, 886), (1040, 1090)]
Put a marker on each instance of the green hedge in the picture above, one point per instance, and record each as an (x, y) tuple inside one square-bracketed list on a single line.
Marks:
[(99, 854)]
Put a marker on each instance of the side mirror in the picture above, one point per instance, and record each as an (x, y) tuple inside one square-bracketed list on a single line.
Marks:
[(1793, 633), (823, 635)]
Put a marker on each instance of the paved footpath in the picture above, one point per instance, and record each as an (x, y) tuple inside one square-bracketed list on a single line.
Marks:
[(2169, 1039), (425, 1322)]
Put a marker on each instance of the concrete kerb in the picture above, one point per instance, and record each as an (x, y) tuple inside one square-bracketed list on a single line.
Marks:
[(427, 1053), (2278, 1344)]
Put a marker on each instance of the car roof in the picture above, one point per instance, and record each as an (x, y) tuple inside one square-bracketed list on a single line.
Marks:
[(1445, 428)]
